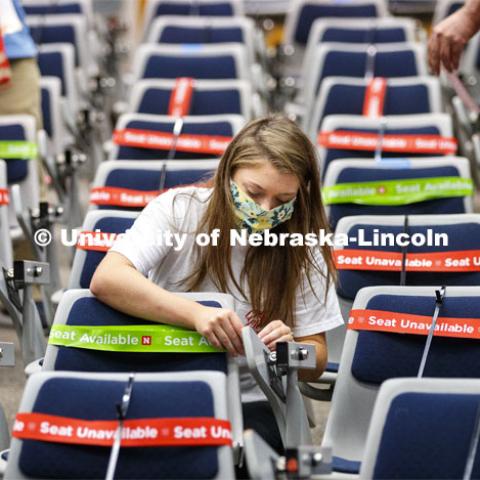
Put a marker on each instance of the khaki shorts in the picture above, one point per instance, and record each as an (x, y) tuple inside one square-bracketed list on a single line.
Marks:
[(22, 96)]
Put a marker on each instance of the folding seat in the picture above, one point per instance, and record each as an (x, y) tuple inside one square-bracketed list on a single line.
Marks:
[(130, 185), (368, 187), (6, 255), (303, 13), (359, 30), (58, 60), (207, 8), (207, 98), (390, 136), (18, 143), (371, 357), (51, 91), (154, 137), (96, 236), (207, 30), (203, 62), (80, 309), (60, 7), (373, 98), (155, 407), (360, 61), (411, 415)]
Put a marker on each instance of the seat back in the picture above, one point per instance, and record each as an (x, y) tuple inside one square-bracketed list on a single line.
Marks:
[(85, 262), (422, 124), (59, 7), (51, 91), (303, 13), (208, 97), (346, 60), (225, 126), (149, 176), (93, 396), (359, 174), (369, 358), (212, 62), (445, 233), (204, 30), (414, 414), (347, 96)]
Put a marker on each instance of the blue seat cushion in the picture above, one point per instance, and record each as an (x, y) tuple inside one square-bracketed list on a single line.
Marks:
[(135, 153), (357, 35), (176, 34), (93, 257), (188, 8), (343, 465), (461, 236), (17, 170), (96, 400), (379, 356), (422, 439), (90, 311)]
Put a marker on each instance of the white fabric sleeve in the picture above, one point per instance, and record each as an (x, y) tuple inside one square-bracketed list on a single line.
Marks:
[(144, 243), (314, 313)]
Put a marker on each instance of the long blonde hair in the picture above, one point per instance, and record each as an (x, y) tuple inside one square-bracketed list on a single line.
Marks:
[(272, 273)]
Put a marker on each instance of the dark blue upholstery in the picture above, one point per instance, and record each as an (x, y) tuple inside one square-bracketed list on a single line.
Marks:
[(205, 128), (96, 400), (190, 34), (93, 258), (309, 13), (343, 465), (422, 439), (90, 311), (44, 34), (333, 154), (394, 64), (438, 206), (52, 64), (204, 102), (46, 111), (53, 9), (149, 180), (399, 100), (202, 67), (364, 35), (191, 8), (379, 355), (454, 6), (17, 170), (461, 236)]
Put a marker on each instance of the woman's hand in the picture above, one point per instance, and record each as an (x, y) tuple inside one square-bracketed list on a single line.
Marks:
[(221, 327), (449, 38), (275, 332)]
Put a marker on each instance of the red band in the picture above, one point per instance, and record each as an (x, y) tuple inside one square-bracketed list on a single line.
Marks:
[(5, 71), (4, 196), (143, 432), (375, 97), (453, 261), (407, 323), (429, 144), (181, 97), (121, 197), (151, 139), (95, 241)]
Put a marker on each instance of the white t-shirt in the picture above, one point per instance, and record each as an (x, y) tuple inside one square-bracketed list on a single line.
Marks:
[(180, 211)]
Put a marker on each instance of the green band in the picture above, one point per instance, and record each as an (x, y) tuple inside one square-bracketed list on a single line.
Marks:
[(397, 192), (131, 338), (18, 149)]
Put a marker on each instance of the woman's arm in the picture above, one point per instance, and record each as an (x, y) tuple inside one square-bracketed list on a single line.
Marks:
[(320, 343), (119, 284)]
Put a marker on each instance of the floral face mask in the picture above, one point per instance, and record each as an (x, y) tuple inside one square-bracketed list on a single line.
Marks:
[(253, 217)]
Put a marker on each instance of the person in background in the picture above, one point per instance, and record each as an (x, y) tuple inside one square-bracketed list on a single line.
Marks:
[(20, 93), (449, 37)]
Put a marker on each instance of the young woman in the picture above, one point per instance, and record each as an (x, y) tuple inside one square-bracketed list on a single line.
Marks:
[(268, 178)]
